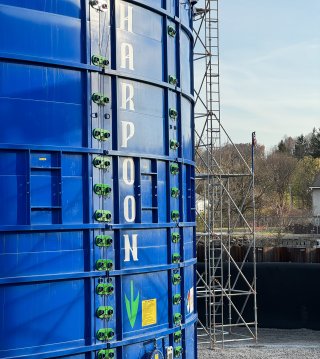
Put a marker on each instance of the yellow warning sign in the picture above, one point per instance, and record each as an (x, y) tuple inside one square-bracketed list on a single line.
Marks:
[(156, 356), (149, 312)]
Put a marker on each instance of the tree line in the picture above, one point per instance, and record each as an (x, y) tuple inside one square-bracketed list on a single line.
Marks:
[(283, 175), (302, 146), (300, 158)]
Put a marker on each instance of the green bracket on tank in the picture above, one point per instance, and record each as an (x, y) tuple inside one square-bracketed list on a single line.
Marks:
[(175, 258), (105, 289), (175, 215), (173, 113), (175, 193), (99, 5), (171, 31), (175, 237), (177, 336), (106, 354), (104, 264), (99, 61), (100, 134), (102, 215), (177, 318), (176, 279), (103, 241), (172, 80), (178, 351), (101, 162), (177, 299), (174, 168), (105, 334), (174, 145), (102, 189), (104, 312), (99, 99)]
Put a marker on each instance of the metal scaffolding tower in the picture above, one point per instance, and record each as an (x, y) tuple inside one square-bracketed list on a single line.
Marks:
[(225, 201)]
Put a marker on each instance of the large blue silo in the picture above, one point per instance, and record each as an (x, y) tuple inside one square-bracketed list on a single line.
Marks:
[(97, 217)]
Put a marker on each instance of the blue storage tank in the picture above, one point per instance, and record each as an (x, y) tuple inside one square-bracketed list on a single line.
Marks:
[(97, 218)]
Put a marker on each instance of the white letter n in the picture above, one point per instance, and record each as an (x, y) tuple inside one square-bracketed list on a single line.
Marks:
[(128, 248)]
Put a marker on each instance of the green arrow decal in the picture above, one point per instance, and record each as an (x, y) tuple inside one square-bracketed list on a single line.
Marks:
[(132, 306)]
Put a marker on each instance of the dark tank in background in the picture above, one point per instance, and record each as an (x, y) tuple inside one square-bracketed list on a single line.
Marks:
[(97, 221), (287, 294)]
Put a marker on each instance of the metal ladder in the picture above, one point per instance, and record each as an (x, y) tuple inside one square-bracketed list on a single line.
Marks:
[(215, 256)]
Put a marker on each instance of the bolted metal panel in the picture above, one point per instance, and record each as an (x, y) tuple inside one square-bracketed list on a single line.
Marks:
[(97, 211)]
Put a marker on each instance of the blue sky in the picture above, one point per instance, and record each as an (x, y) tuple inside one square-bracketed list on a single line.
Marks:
[(270, 68)]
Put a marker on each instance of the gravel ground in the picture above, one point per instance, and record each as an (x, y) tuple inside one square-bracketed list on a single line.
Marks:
[(272, 344)]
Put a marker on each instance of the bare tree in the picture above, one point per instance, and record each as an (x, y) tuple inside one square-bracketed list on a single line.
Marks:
[(279, 169)]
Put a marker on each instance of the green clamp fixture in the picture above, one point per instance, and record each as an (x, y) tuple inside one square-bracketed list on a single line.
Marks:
[(100, 5), (175, 258), (102, 189), (177, 336), (106, 354), (171, 31), (101, 162), (173, 113), (172, 80), (103, 241), (177, 318), (178, 351), (104, 289), (175, 215), (177, 299), (104, 312), (101, 215), (99, 99), (174, 145), (104, 264), (105, 334), (174, 168), (100, 134), (175, 193), (99, 61), (176, 279), (175, 237)]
